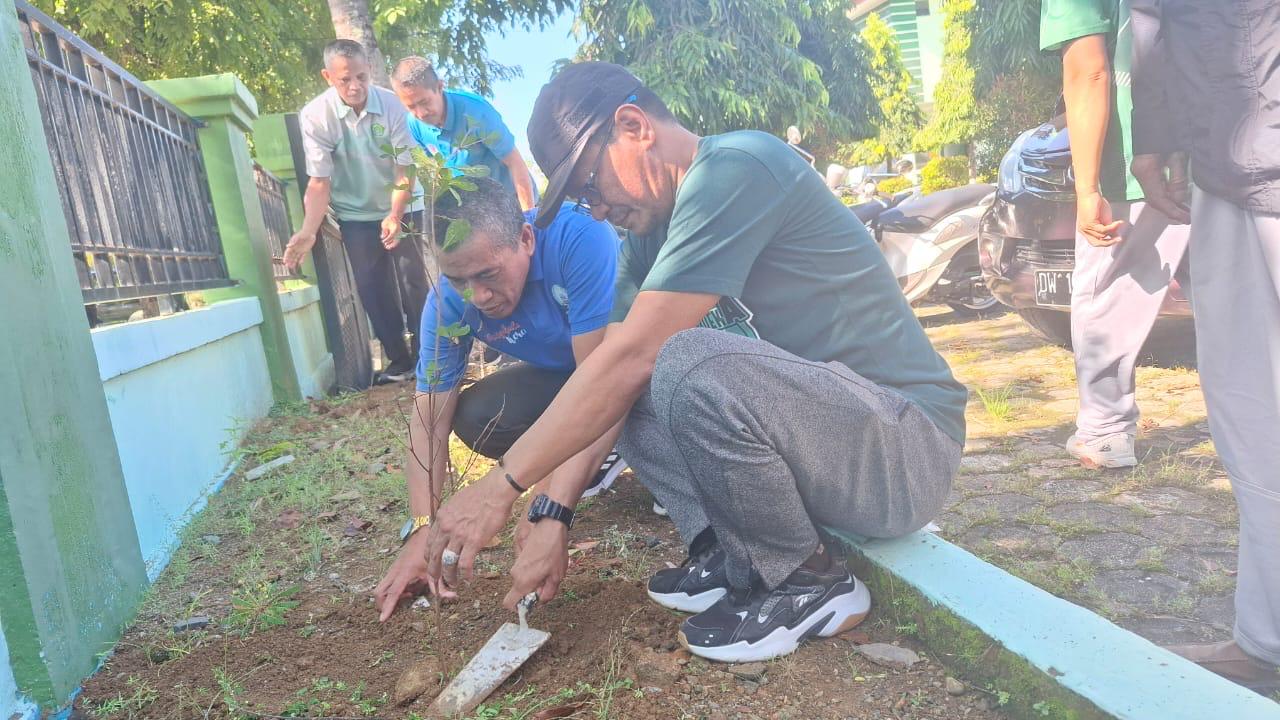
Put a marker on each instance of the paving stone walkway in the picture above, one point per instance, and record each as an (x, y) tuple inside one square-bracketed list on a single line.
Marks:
[(1152, 548)]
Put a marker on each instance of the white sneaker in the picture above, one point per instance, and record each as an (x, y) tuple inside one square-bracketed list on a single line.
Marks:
[(1109, 451), (609, 471), (659, 510)]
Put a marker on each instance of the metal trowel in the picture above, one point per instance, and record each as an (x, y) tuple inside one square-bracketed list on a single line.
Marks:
[(505, 652)]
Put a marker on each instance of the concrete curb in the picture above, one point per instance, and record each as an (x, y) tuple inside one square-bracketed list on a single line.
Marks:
[(1048, 658)]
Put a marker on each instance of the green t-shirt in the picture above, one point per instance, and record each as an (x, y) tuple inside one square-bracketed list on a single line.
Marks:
[(756, 225), (1062, 21)]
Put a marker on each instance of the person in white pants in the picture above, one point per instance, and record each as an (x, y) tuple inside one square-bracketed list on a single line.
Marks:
[(1217, 99), (1126, 253)]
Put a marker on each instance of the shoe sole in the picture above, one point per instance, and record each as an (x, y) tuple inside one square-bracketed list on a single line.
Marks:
[(660, 511), (607, 482), (1093, 464), (837, 615), (688, 603)]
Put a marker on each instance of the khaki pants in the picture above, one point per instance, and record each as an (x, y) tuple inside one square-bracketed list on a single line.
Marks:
[(1235, 279), (1116, 294)]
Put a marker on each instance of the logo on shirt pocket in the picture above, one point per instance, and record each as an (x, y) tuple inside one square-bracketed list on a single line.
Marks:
[(377, 129), (561, 296)]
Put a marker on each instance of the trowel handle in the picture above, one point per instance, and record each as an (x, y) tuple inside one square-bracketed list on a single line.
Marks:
[(524, 606)]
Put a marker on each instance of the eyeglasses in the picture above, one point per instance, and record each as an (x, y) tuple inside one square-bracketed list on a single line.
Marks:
[(590, 196)]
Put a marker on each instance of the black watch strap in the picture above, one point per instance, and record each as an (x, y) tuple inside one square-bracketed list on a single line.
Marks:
[(544, 507)]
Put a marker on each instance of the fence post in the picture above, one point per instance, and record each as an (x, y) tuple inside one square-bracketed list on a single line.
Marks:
[(228, 110), (71, 571), (271, 148)]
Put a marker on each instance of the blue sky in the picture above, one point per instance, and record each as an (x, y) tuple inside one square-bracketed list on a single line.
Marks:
[(534, 51)]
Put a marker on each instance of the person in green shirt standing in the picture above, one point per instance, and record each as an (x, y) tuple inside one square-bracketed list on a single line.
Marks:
[(344, 132), (775, 383), (1126, 251)]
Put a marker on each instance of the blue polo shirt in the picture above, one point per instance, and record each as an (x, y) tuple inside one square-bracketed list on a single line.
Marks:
[(490, 139), (568, 292)]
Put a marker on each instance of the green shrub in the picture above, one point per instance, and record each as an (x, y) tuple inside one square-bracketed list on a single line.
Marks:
[(941, 173), (1015, 102), (893, 185)]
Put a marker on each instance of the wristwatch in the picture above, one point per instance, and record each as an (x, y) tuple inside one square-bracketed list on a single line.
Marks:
[(544, 507), (413, 525)]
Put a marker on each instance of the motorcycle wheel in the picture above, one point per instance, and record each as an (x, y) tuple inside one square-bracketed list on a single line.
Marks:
[(974, 305)]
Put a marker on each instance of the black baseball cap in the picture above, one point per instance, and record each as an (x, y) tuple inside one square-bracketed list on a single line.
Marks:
[(569, 112)]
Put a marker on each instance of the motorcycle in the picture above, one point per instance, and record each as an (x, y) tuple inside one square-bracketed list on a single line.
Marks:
[(931, 243)]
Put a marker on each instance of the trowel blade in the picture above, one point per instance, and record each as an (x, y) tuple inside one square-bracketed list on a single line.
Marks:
[(505, 652)]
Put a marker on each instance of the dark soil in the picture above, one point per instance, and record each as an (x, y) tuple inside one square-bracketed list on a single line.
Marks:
[(612, 652)]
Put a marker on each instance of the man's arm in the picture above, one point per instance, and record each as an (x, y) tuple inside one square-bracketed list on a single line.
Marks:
[(1086, 88), (597, 396), (426, 469), (315, 203), (1159, 163), (520, 176), (401, 196)]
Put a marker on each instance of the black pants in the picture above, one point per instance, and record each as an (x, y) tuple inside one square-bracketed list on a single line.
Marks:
[(494, 412), (392, 284)]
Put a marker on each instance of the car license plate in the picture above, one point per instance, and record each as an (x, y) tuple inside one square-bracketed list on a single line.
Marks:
[(1053, 288)]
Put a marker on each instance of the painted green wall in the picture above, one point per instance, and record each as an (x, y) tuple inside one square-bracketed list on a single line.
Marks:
[(70, 569)]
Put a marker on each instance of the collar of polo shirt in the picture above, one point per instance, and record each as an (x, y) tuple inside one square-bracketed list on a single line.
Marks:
[(372, 103)]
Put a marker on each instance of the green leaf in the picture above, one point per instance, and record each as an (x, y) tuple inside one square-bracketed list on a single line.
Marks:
[(475, 171), (454, 330), (468, 294), (458, 232)]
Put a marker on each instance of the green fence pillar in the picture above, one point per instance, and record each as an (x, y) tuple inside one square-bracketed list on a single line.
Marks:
[(228, 110), (71, 572), (274, 152)]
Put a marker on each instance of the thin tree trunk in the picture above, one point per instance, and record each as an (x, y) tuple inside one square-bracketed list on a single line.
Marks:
[(352, 21)]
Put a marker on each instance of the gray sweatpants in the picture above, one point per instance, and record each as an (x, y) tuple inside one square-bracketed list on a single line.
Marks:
[(1116, 293), (764, 446), (1235, 277)]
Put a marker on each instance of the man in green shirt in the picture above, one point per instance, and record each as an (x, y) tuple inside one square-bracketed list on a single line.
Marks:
[(774, 381), (1126, 252)]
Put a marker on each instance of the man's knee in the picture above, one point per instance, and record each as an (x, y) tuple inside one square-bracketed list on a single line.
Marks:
[(688, 374), (478, 423)]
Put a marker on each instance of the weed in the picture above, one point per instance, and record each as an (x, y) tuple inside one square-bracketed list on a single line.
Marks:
[(384, 656), (1215, 583), (258, 606), (1152, 560), (998, 403), (128, 706)]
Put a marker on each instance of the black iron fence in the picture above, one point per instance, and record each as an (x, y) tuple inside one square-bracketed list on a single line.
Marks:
[(132, 179), (275, 213)]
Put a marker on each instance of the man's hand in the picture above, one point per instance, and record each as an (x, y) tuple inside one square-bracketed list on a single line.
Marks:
[(465, 524), (1164, 184), (390, 232), (542, 564), (406, 578), (523, 528), (1093, 219), (296, 251)]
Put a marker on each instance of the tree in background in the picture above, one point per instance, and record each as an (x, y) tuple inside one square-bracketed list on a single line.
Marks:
[(899, 117), (452, 33), (955, 107), (1017, 85), (273, 47), (747, 64), (1006, 41)]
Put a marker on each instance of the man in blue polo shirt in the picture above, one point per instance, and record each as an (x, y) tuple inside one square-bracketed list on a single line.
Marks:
[(540, 296), (464, 122)]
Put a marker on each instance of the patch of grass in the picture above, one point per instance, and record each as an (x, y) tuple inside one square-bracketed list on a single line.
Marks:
[(998, 403), (260, 605), (1152, 559), (131, 705), (1215, 583), (1181, 605), (629, 548)]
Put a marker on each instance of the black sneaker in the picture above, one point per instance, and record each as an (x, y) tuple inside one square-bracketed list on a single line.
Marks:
[(694, 586), (609, 471), (394, 374), (760, 624)]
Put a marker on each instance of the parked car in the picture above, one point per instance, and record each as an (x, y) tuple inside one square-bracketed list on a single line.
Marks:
[(1026, 243)]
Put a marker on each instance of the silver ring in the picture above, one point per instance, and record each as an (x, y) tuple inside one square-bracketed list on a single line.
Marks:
[(449, 557)]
